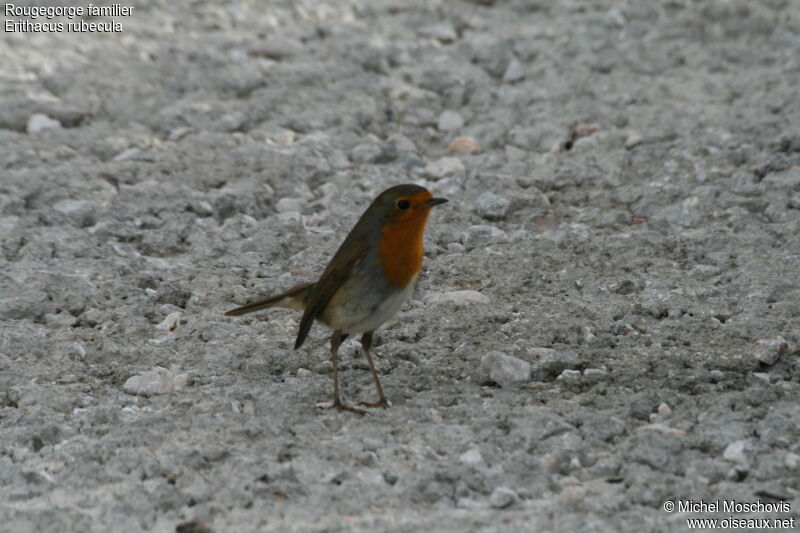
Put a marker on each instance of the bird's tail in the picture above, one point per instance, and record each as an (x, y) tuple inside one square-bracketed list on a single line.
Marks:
[(294, 298)]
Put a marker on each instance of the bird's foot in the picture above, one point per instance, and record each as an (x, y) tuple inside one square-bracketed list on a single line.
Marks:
[(338, 404)]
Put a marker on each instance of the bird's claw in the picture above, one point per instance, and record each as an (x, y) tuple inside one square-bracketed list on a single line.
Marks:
[(338, 404)]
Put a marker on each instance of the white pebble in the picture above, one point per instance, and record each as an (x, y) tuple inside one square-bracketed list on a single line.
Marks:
[(633, 140), (443, 32), (761, 376), (159, 380), (572, 495), (504, 369), (478, 236), (595, 372), (736, 452), (39, 122), (514, 71), (170, 323), (471, 457), (290, 216), (792, 460), (570, 376), (401, 143), (503, 497), (445, 167), (541, 351), (179, 133), (661, 428), (457, 297), (492, 207), (450, 121), (285, 205), (664, 409), (769, 350)]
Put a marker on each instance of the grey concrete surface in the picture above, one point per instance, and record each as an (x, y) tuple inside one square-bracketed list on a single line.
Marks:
[(624, 228)]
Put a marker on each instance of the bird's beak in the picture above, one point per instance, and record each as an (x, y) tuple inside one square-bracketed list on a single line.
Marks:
[(435, 201)]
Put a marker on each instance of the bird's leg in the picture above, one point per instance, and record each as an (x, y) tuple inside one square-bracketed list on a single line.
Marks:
[(366, 342), (336, 341)]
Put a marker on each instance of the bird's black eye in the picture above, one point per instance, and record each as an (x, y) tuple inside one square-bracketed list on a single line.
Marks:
[(403, 204)]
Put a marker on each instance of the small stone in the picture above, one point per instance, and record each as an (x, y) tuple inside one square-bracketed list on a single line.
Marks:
[(303, 372), (180, 380), (464, 145), (769, 350), (455, 248), (471, 457), (570, 376), (594, 372), (533, 199), (478, 236), (736, 452), (290, 217), (514, 154), (391, 477), (493, 54), (492, 207), (282, 138), (179, 133), (572, 495), (445, 167), (716, 374), (504, 369), (231, 122), (127, 154), (467, 503), (503, 497), (170, 323), (541, 351), (520, 235), (61, 319), (545, 223), (367, 153), (792, 460), (585, 130), (411, 160), (664, 409), (159, 380), (457, 297), (39, 122), (82, 213), (661, 428), (444, 32), (400, 143), (450, 121), (514, 71), (762, 376), (633, 140), (286, 205)]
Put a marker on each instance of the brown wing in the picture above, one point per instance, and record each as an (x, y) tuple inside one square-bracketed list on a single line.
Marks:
[(352, 250)]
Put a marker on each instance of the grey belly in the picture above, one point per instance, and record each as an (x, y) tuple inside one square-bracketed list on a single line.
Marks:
[(364, 309)]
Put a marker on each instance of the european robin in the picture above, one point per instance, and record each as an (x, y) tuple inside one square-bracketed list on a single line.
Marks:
[(369, 278)]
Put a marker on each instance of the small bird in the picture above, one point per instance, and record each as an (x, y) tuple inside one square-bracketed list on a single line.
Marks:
[(369, 278)]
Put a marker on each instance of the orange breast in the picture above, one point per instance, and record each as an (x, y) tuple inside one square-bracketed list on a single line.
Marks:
[(400, 249)]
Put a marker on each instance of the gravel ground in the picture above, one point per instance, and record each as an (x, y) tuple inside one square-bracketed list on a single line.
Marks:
[(608, 315)]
